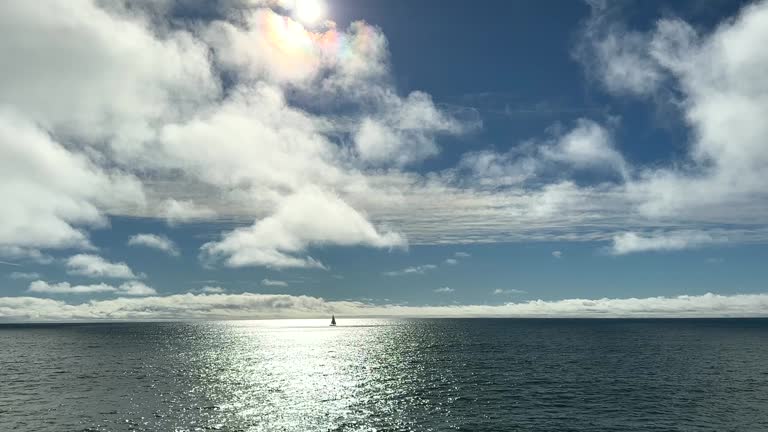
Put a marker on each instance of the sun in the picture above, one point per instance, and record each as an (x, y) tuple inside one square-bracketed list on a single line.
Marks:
[(309, 11)]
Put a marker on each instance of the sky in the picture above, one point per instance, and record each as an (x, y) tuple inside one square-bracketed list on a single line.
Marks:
[(185, 159)]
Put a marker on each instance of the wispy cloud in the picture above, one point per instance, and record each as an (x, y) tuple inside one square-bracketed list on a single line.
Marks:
[(95, 266), (180, 211), (557, 254), (420, 269), (630, 242), (273, 282), (444, 290), (155, 241), (425, 268), (23, 275), (510, 291)]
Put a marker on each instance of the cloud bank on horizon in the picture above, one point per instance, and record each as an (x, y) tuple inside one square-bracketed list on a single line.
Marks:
[(295, 127), (244, 306)]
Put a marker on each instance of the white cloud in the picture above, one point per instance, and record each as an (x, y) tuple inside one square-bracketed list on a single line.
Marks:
[(444, 290), (271, 47), (23, 275), (618, 57), (179, 211), (213, 290), (626, 66), (130, 288), (49, 191), (719, 86), (406, 132), (499, 291), (155, 241), (167, 142), (88, 83), (451, 261), (587, 145), (272, 282), (95, 266), (311, 217), (135, 288), (630, 242), (462, 255), (24, 254), (209, 290), (143, 127), (420, 269), (557, 254), (172, 127), (490, 168), (251, 306)]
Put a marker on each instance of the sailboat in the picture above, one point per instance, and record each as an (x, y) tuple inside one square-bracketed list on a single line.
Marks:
[(333, 320)]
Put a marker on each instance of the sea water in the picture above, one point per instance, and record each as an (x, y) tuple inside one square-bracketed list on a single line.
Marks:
[(387, 375)]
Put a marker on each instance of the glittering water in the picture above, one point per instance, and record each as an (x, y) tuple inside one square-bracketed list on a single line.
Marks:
[(472, 375)]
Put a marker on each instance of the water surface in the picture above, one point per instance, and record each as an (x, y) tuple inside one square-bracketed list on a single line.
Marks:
[(364, 375)]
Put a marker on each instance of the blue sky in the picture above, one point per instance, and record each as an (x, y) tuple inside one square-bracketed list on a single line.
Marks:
[(247, 159)]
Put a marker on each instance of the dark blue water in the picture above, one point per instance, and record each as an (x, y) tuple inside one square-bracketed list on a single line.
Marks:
[(364, 375)]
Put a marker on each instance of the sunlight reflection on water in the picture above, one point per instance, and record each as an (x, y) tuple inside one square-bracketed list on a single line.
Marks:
[(306, 375)]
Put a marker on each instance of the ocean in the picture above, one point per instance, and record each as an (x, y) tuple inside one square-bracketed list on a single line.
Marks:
[(387, 375)]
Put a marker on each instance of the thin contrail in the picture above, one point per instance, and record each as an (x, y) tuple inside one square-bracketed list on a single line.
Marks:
[(10, 263)]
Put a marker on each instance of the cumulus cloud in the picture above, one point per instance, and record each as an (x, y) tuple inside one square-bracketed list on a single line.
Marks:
[(126, 136), (444, 290), (251, 306), (130, 288), (272, 282), (630, 242), (451, 261), (95, 266), (50, 192), (119, 85), (587, 145), (557, 254), (155, 241), (311, 217), (719, 88)]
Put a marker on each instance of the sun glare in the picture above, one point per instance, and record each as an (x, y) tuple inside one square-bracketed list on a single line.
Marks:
[(309, 11)]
